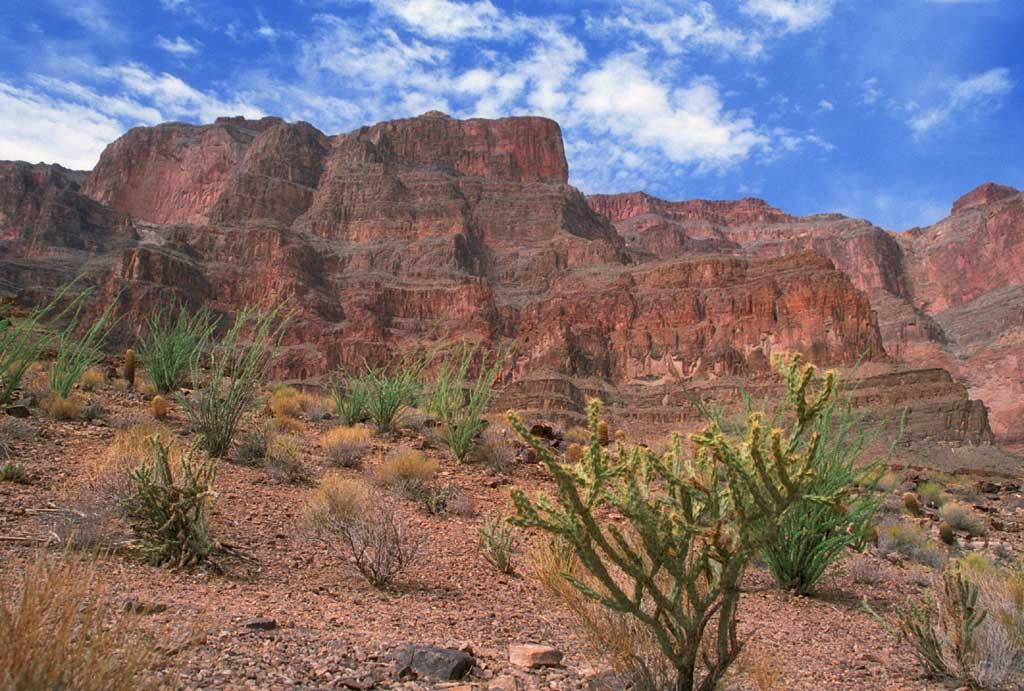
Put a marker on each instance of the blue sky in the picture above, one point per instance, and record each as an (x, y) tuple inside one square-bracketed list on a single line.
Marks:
[(883, 109)]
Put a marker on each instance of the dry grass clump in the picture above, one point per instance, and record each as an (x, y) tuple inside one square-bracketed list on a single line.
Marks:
[(963, 517), (406, 470), (61, 408), (494, 450), (92, 379), (864, 571), (14, 472), (346, 446), (58, 631), (910, 541), (362, 527), (932, 494), (889, 481), (619, 639), (284, 459), (577, 435), (286, 425), (253, 443), (289, 402)]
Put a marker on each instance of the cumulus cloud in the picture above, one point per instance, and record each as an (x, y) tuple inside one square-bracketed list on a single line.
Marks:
[(792, 15), (970, 93), (826, 105), (179, 46)]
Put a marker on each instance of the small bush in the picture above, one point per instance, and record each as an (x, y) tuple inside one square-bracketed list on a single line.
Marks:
[(496, 539), (237, 371), (390, 391), (971, 627), (63, 408), (286, 425), (363, 528), (252, 445), (866, 572), (910, 541), (92, 379), (284, 459), (494, 450), (351, 397), (932, 494), (346, 446), (77, 352), (172, 344), (889, 482), (58, 630), (169, 514), (406, 470), (14, 472), (462, 412), (911, 504), (286, 401), (577, 435), (963, 517)]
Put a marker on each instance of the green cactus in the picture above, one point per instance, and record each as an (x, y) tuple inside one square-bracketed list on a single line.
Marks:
[(690, 522)]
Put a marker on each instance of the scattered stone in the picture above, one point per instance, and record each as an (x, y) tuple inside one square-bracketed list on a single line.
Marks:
[(542, 431), (504, 683), (442, 664), (261, 624), (137, 607), (533, 655)]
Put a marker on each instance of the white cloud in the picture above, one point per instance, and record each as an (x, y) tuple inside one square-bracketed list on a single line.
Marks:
[(871, 94), (687, 124), (793, 15), (826, 105), (179, 46), (970, 93), (448, 20)]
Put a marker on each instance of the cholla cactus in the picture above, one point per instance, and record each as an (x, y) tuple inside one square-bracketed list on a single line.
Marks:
[(691, 524)]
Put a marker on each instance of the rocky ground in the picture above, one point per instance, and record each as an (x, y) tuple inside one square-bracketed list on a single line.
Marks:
[(285, 613)]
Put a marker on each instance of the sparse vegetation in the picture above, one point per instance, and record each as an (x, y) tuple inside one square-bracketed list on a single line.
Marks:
[(77, 352), (363, 528), (462, 412), (963, 517), (909, 540), (932, 494), (252, 444), (238, 369), (390, 391), (351, 396), (24, 338), (286, 401), (59, 631), (167, 513), (14, 472), (63, 408), (346, 446), (284, 459), (406, 471), (690, 523), (172, 344), (91, 379), (496, 539)]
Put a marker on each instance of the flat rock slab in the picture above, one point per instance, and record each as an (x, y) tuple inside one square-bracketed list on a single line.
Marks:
[(533, 655), (261, 624), (424, 661)]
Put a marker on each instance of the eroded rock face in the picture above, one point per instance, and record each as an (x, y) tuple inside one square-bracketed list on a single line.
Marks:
[(946, 296), (395, 235)]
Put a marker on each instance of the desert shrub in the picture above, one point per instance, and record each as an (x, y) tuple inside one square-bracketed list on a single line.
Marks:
[(172, 343), (24, 338), (14, 472), (286, 425), (77, 352), (286, 401), (623, 641), (496, 540), (58, 630), (932, 494), (362, 528), (494, 451), (690, 524), (889, 481), (350, 396), (391, 390), (910, 541), (963, 517), (461, 412), (63, 407), (169, 514), (346, 446), (866, 572), (406, 471), (813, 535), (970, 628), (577, 435), (238, 369), (252, 444), (91, 379), (6, 449), (283, 459)]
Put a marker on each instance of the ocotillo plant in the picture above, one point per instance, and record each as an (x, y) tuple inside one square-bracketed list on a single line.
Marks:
[(690, 522)]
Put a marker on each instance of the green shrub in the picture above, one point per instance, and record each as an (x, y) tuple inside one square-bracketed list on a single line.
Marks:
[(689, 524), (351, 397), (813, 535), (238, 370), (14, 472), (253, 444), (496, 539), (391, 391), (462, 412), (963, 517), (76, 352), (932, 494), (172, 343), (909, 540), (167, 513), (283, 459)]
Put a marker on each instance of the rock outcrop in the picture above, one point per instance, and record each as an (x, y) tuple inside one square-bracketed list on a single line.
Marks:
[(397, 234)]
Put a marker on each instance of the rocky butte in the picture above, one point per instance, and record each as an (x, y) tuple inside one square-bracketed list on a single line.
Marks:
[(397, 234)]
